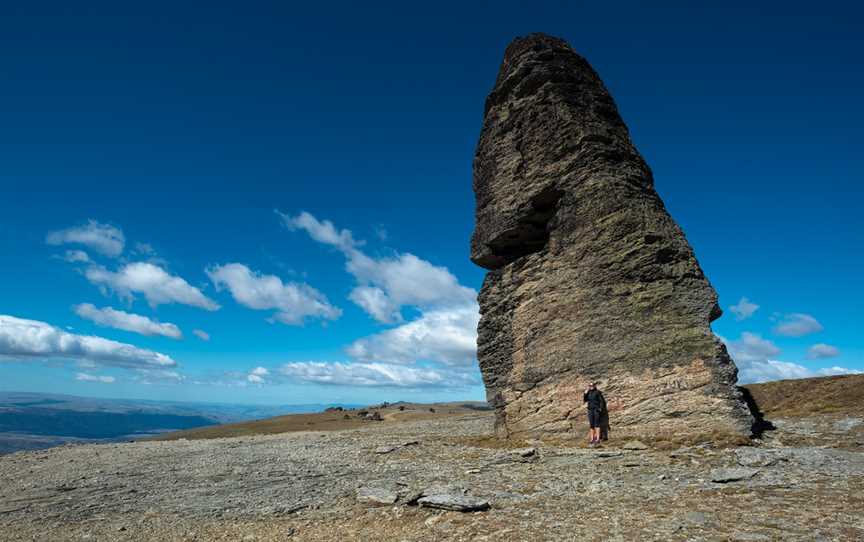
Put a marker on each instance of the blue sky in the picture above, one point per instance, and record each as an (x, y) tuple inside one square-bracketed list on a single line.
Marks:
[(295, 182)]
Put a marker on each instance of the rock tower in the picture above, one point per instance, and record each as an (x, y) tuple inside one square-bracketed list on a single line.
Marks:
[(589, 277)]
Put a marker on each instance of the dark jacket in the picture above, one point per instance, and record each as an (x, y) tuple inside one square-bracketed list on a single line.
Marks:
[(595, 400)]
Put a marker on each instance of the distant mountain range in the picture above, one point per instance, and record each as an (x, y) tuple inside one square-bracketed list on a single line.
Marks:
[(37, 420)]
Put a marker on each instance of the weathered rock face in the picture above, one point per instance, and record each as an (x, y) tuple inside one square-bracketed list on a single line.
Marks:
[(589, 277)]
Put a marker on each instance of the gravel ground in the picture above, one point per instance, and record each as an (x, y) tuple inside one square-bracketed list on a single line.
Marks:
[(804, 481)]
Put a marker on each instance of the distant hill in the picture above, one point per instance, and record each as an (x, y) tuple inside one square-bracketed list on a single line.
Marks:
[(36, 420), (823, 395), (332, 420)]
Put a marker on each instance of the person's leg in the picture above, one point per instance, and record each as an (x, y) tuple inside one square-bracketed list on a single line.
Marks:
[(593, 423)]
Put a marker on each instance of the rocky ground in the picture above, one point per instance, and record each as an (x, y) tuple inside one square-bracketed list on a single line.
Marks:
[(803, 481)]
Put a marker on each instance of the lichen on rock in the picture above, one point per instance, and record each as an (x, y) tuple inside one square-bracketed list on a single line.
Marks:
[(589, 276)]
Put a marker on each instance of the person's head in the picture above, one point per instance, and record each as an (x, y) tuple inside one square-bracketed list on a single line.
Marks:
[(593, 385)]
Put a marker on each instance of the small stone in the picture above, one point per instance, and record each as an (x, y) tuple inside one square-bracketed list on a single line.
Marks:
[(697, 518), (608, 454), (525, 452), (722, 476), (635, 445), (376, 496), (455, 502)]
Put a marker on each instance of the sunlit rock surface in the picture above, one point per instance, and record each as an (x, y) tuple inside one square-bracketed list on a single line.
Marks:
[(589, 277)]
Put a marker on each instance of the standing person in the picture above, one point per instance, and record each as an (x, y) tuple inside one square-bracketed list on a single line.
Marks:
[(596, 403)]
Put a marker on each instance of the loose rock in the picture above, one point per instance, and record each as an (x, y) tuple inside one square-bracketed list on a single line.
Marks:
[(455, 502), (375, 495), (723, 476)]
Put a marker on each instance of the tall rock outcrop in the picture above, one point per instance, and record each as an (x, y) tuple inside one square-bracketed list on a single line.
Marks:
[(589, 277)]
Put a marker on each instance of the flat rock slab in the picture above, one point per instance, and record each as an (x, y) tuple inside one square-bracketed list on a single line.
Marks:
[(376, 496), (635, 445), (754, 457), (723, 476), (455, 502)]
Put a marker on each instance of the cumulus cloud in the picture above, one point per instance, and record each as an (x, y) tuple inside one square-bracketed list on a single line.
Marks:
[(135, 323), (84, 377), (744, 309), (22, 339), (293, 302), (103, 238), (437, 348), (154, 283), (375, 375), (797, 325), (772, 369), (257, 375), (321, 231), (752, 347), (201, 334), (385, 285), (755, 358), (388, 284), (446, 336), (822, 351), (76, 256)]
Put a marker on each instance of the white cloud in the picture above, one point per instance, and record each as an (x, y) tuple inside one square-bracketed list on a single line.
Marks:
[(145, 249), (84, 377), (385, 285), (754, 357), (388, 284), (76, 256), (157, 285), (832, 371), (159, 376), (321, 231), (136, 323), (447, 336), (293, 301), (201, 334), (797, 325), (103, 238), (770, 369), (744, 309), (257, 375), (751, 347), (822, 351), (374, 374), (30, 339)]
